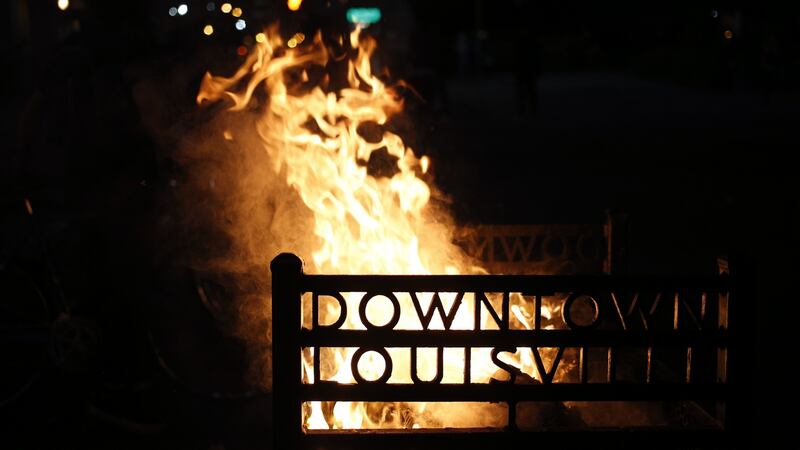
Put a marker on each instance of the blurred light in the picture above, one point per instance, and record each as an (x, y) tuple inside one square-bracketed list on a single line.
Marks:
[(236, 12), (728, 34), (63, 4), (248, 40), (261, 38), (294, 5), (366, 16), (28, 207), (173, 11), (208, 30), (295, 40), (240, 25), (226, 8), (714, 13), (210, 6), (241, 50), (183, 9)]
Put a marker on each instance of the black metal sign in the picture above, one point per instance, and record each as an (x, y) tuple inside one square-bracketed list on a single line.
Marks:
[(682, 315)]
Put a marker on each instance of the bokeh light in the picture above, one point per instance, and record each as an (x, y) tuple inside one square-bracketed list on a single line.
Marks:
[(294, 5)]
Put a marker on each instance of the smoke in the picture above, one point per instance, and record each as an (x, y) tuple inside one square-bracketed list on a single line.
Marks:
[(240, 214), (227, 211)]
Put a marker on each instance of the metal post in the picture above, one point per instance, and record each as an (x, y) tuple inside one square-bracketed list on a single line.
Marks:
[(721, 307), (287, 270)]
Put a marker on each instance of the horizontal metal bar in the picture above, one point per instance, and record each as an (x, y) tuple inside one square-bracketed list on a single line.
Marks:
[(517, 338), (330, 391), (481, 439), (527, 230), (507, 283)]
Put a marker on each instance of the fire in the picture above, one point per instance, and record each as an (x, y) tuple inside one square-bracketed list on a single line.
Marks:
[(364, 223)]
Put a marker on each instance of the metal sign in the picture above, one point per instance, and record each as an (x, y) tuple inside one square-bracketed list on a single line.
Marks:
[(684, 316)]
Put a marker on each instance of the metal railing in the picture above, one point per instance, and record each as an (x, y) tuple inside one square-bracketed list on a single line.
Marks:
[(680, 314)]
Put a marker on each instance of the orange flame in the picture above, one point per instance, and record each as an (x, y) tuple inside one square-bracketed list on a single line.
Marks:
[(364, 224)]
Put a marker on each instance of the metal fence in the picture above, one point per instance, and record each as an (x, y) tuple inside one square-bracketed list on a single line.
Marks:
[(688, 317)]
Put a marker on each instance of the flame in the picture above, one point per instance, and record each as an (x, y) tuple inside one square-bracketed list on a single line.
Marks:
[(364, 223)]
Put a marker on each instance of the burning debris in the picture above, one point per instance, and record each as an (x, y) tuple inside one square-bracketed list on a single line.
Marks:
[(369, 198)]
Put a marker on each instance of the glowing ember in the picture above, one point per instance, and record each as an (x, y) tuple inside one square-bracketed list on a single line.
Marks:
[(363, 223)]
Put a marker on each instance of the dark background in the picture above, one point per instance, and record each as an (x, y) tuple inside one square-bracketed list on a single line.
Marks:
[(533, 112)]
